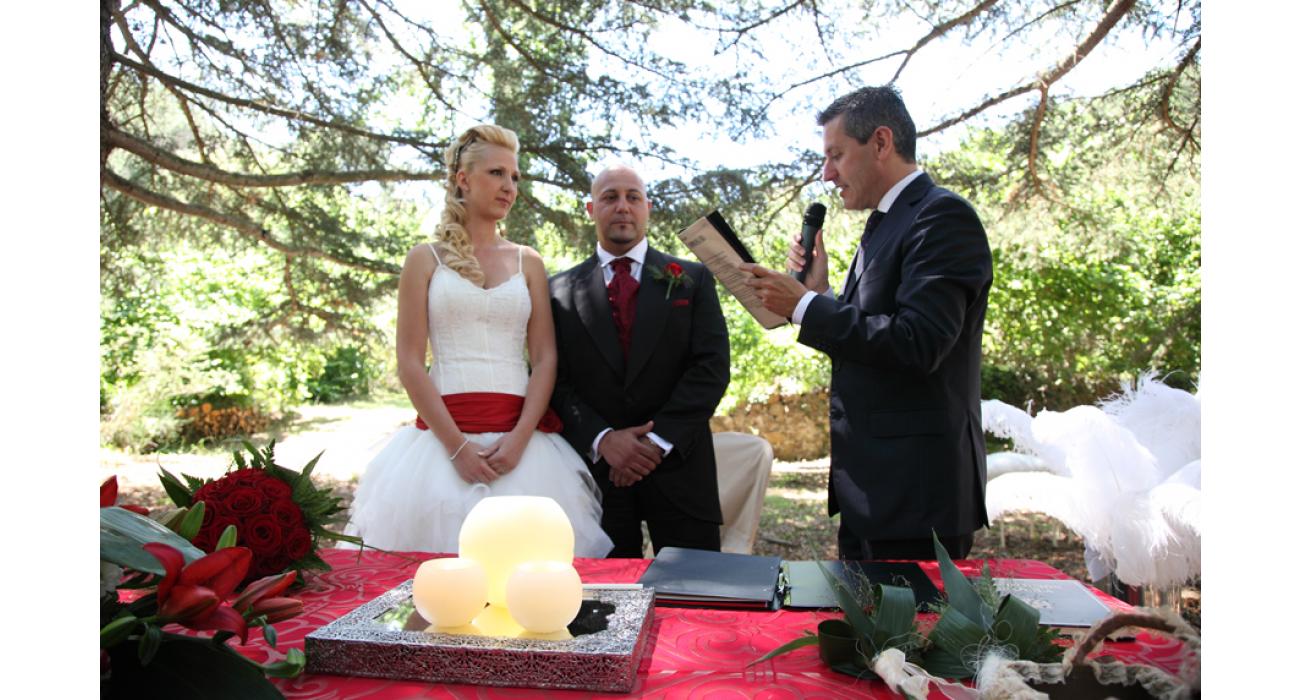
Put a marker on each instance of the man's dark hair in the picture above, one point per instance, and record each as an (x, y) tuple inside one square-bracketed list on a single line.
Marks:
[(868, 108)]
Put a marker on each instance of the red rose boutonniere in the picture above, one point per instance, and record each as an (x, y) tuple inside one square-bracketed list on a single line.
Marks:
[(673, 275)]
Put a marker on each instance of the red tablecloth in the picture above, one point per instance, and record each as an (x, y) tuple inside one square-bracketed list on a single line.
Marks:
[(693, 653)]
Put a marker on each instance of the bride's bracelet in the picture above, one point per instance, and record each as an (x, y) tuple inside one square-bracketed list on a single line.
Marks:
[(458, 449)]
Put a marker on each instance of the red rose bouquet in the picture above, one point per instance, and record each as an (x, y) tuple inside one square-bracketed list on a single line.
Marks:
[(277, 513)]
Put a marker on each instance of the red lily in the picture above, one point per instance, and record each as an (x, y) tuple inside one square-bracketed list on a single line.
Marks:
[(266, 587), (277, 609), (194, 595), (108, 492), (108, 497)]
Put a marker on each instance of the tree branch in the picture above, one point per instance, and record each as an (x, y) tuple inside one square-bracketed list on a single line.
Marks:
[(940, 30), (1035, 131), (1167, 93), (587, 37), (245, 226), (154, 72), (509, 39), (1114, 13), (420, 66), (132, 44), (157, 156)]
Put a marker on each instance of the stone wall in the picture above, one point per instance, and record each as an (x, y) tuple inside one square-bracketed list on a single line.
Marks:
[(797, 426)]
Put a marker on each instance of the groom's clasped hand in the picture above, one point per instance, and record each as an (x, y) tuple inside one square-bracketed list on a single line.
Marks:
[(631, 454)]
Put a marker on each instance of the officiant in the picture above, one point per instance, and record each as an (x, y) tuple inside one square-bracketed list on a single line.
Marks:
[(643, 362), (903, 335)]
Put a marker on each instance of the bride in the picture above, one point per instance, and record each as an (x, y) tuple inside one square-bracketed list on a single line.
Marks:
[(484, 426)]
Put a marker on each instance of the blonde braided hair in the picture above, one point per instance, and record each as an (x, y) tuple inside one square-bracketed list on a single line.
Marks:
[(458, 251)]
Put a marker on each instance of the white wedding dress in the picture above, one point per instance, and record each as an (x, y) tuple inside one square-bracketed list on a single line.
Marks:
[(411, 498)]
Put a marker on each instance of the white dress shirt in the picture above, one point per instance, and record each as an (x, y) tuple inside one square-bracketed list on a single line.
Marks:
[(637, 256), (885, 203)]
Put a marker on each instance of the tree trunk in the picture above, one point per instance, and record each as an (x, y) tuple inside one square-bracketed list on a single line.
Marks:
[(106, 10)]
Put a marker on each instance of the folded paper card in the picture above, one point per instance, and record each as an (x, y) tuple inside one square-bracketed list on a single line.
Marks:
[(711, 239)]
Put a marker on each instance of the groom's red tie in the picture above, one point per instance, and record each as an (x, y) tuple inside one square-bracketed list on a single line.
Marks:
[(622, 300)]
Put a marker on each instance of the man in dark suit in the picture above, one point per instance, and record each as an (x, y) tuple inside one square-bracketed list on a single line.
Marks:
[(907, 447), (644, 361)]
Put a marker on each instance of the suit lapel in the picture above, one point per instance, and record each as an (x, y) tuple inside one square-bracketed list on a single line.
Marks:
[(892, 226), (592, 301), (651, 314)]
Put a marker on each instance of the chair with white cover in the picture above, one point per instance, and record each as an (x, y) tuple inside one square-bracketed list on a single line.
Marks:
[(744, 466)]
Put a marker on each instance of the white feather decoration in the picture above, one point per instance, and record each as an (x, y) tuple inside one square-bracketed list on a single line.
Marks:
[(1124, 476)]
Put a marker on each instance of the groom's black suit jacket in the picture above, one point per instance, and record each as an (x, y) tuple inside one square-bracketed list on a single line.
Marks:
[(907, 446), (677, 370)]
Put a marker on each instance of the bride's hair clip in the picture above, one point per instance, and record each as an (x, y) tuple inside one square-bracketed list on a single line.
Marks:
[(455, 162)]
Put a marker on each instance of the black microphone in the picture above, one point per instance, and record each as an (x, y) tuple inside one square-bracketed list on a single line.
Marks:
[(812, 223)]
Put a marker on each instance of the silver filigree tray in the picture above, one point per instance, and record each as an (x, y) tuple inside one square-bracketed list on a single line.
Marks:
[(385, 638)]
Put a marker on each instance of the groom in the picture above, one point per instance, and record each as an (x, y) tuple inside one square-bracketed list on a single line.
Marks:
[(644, 360)]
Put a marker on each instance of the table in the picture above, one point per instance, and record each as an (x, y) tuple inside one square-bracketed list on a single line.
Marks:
[(696, 653)]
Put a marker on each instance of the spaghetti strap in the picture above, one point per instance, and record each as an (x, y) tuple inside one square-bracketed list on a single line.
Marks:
[(521, 260), (435, 254)]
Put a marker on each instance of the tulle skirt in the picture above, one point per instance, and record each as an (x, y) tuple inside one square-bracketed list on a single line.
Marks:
[(412, 499)]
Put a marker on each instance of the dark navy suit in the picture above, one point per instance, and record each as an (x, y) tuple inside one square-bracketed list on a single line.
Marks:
[(907, 447)]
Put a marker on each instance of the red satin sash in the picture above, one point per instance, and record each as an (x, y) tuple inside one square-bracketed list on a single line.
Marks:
[(488, 412)]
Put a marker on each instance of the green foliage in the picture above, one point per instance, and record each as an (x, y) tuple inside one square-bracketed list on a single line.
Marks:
[(347, 374), (975, 617), (1098, 280), (1096, 238)]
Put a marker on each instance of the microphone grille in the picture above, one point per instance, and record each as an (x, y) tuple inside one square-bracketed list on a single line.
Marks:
[(815, 215)]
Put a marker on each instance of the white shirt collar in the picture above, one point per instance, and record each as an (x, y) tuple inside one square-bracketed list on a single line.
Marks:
[(637, 254), (888, 200)]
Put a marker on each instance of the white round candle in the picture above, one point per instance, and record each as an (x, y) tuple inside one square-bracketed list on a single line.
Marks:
[(544, 596), (450, 592), (501, 532)]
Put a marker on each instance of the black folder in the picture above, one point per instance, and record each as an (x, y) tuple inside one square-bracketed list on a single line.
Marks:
[(698, 578), (807, 587)]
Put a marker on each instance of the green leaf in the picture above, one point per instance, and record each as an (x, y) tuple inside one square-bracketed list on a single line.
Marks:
[(1016, 626), (176, 491), (118, 630), (229, 537), (945, 664), (239, 457), (856, 670), (192, 522), (306, 470), (293, 664), (958, 589), (340, 537), (958, 635), (194, 482), (838, 643), (190, 668), (848, 603), (894, 617), (268, 633), (123, 533), (150, 641), (796, 643)]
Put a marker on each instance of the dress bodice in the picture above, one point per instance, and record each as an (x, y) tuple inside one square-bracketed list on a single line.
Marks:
[(478, 335)]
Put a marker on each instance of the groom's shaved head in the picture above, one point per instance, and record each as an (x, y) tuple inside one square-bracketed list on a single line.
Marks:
[(621, 170), (619, 207)]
